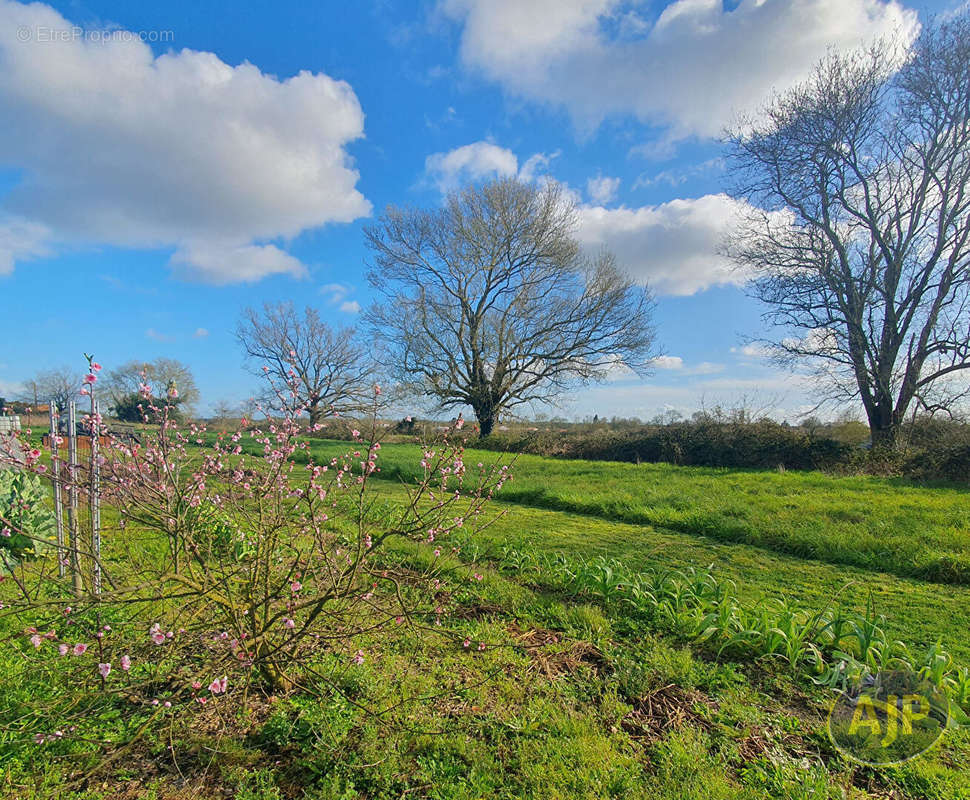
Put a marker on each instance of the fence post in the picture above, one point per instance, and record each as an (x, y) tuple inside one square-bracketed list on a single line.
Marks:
[(72, 491), (56, 480), (94, 497)]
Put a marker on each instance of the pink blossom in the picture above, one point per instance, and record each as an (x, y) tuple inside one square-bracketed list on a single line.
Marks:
[(90, 379), (289, 623), (196, 685), (295, 586), (358, 657), (125, 663), (62, 649), (95, 366), (467, 643), (79, 649), (35, 640), (104, 670), (219, 685)]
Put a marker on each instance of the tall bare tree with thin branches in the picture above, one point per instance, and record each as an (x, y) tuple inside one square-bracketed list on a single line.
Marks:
[(862, 252), (489, 301), (332, 368)]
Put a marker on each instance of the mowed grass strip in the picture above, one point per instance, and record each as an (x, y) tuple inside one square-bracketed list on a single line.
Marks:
[(878, 524), (918, 613)]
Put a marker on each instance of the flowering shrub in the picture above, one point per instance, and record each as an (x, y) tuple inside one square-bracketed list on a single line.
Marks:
[(224, 568)]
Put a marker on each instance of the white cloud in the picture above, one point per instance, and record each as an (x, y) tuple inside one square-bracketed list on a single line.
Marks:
[(201, 333), (221, 263), (337, 294), (667, 362), (677, 364), (21, 240), (753, 350), (602, 189), (158, 336), (693, 69), (471, 162), (182, 150), (479, 161), (673, 246)]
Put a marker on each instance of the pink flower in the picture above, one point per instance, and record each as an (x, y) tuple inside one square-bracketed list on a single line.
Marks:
[(90, 379), (95, 366), (125, 663), (467, 643), (196, 685), (355, 433), (155, 632), (63, 649), (79, 649), (219, 685), (295, 586), (35, 640), (104, 670), (289, 623), (358, 657)]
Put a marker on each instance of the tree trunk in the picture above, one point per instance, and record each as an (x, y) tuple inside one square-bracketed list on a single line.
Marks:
[(317, 413), (884, 426), (486, 421)]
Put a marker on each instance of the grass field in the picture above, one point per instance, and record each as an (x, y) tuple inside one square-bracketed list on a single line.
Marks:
[(573, 695)]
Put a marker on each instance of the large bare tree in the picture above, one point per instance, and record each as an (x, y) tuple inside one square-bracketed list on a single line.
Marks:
[(332, 368), (489, 302), (861, 253), (125, 381), (61, 385)]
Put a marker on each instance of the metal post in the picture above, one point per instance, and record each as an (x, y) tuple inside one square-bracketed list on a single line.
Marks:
[(56, 481), (72, 518), (94, 497)]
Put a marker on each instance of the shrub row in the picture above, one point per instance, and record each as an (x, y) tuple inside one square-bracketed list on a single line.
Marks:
[(759, 445), (756, 445)]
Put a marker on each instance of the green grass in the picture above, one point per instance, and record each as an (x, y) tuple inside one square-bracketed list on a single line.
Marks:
[(572, 698), (883, 525)]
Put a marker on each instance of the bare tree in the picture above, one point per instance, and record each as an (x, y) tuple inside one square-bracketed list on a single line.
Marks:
[(125, 380), (332, 367), (861, 253), (489, 301), (61, 384)]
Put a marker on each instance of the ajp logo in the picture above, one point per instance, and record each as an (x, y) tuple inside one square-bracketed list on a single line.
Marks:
[(890, 717)]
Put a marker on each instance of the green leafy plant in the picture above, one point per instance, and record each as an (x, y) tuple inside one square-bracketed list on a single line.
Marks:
[(26, 523)]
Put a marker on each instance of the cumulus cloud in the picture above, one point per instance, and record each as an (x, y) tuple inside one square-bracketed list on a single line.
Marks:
[(692, 69), (350, 307), (470, 162), (479, 161), (117, 146), (673, 246), (201, 333), (602, 189)]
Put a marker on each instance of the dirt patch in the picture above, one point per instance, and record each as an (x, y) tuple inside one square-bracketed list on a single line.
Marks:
[(553, 655), (668, 708)]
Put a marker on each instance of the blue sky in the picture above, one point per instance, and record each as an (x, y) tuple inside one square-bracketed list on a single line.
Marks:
[(163, 165)]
